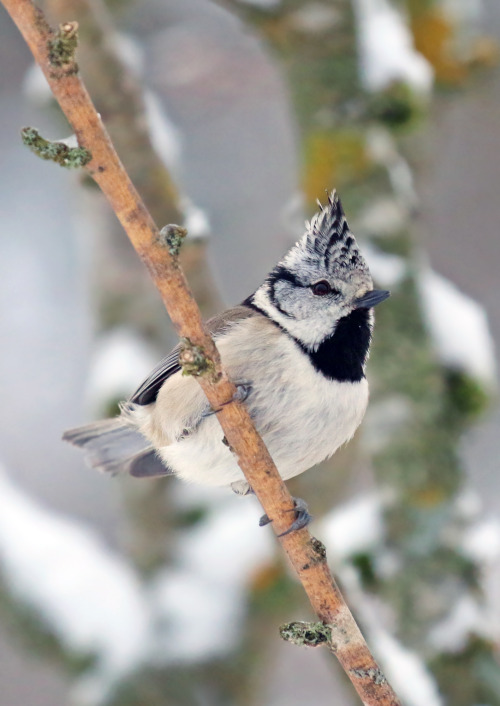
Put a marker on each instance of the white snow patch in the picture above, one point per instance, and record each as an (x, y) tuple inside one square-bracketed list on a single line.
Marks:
[(384, 421), (458, 326), (403, 668), (385, 216), (481, 542), (386, 269), (197, 618), (315, 18), (86, 595), (35, 86), (195, 219), (97, 605), (166, 139), (383, 149), (354, 527), (467, 12), (69, 141), (121, 360), (128, 50), (468, 504), (465, 618), (405, 671), (165, 136), (386, 48), (225, 548), (261, 3), (202, 603)]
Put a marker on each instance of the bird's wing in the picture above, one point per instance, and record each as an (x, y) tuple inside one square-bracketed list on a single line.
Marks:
[(147, 392)]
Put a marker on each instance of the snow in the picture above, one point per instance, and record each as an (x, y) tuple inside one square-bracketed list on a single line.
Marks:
[(36, 88), (121, 360), (83, 593), (387, 270), (167, 142), (468, 504), (196, 618), (96, 604), (481, 542), (467, 12), (384, 422), (405, 671), (128, 50), (386, 48), (458, 327), (225, 548), (383, 216), (466, 617), (315, 17), (195, 219), (202, 602), (165, 136), (359, 526), (383, 149), (261, 3), (354, 527)]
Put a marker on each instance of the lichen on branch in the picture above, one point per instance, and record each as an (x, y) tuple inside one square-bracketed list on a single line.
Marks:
[(63, 47), (308, 634), (172, 236), (194, 360), (59, 152)]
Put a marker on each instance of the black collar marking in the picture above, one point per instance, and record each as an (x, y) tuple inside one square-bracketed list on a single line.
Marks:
[(342, 356)]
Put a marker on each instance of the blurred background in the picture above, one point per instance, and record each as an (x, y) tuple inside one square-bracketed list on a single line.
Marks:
[(233, 117)]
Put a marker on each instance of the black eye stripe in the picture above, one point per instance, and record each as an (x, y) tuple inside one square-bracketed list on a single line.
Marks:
[(281, 273)]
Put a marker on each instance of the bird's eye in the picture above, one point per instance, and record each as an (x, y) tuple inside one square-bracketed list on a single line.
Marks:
[(321, 288)]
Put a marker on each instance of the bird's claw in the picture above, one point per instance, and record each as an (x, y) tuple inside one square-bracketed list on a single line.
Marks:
[(243, 389), (302, 517)]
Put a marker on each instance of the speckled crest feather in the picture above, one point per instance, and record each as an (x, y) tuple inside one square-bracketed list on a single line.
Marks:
[(329, 243)]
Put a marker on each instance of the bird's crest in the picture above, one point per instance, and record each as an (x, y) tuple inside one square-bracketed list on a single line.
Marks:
[(329, 243)]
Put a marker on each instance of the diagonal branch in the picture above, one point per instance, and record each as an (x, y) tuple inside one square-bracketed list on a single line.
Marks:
[(55, 55)]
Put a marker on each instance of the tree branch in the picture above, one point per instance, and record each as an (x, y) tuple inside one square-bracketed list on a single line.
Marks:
[(307, 555)]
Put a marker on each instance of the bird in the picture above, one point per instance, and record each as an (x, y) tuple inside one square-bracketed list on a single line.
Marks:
[(296, 350)]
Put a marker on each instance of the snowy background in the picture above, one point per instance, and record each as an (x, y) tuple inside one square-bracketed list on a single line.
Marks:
[(67, 542)]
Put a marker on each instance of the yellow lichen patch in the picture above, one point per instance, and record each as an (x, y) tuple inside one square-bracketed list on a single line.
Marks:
[(334, 158), (433, 34), (266, 577), (429, 496), (485, 52)]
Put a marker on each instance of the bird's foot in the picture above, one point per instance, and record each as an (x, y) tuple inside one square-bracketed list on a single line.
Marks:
[(302, 517), (243, 389), (241, 487)]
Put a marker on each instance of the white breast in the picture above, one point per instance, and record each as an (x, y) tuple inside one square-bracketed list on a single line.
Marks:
[(302, 416)]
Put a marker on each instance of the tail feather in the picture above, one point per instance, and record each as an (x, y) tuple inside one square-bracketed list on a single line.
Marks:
[(147, 464), (113, 446)]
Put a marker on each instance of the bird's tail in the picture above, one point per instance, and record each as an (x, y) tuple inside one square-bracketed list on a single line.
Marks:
[(113, 446)]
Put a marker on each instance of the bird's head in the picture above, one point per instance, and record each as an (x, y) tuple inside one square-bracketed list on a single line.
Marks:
[(321, 279)]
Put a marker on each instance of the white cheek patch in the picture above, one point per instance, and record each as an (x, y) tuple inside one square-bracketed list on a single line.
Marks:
[(311, 330)]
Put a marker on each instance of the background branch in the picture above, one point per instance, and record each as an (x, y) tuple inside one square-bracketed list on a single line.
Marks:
[(306, 554)]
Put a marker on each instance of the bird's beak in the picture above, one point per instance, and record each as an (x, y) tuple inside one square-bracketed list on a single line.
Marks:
[(371, 298)]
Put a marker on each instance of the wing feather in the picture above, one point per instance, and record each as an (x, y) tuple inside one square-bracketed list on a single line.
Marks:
[(147, 392)]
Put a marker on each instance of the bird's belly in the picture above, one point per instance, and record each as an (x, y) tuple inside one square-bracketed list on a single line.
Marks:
[(297, 434), (316, 427)]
